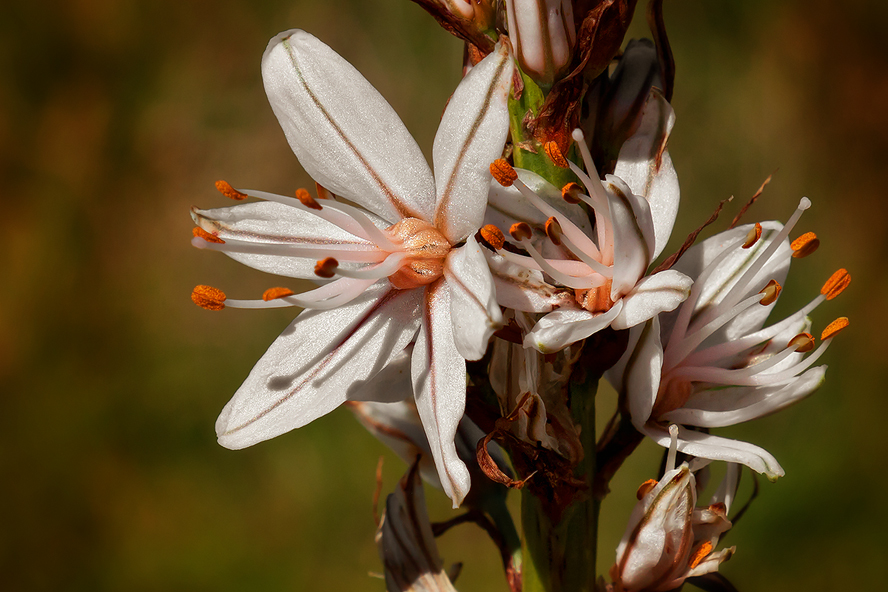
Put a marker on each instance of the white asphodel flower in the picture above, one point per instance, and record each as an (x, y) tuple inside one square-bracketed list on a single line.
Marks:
[(712, 363), (404, 265), (634, 211)]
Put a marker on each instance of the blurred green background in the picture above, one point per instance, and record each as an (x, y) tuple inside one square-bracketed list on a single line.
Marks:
[(116, 117)]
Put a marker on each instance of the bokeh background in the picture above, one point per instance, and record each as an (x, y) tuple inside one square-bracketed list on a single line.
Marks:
[(116, 117)]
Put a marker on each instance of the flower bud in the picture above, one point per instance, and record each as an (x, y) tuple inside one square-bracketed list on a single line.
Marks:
[(543, 35)]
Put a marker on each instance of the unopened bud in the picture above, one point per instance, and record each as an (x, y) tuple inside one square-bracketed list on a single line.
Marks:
[(543, 35)]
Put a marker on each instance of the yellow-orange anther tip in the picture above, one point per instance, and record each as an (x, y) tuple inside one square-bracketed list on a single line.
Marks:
[(307, 200), (569, 192), (645, 487), (553, 230), (718, 507), (834, 327), (493, 236), (805, 245), (326, 268), (230, 192), (699, 554), (275, 293), (771, 292), (503, 172), (554, 153), (208, 297), (836, 284), (752, 237), (520, 231), (802, 343), (199, 232)]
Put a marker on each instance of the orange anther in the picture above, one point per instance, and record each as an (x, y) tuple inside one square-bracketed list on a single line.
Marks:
[(834, 327), (802, 343), (570, 191), (645, 487), (554, 153), (805, 245), (326, 268), (275, 293), (208, 297), (718, 508), (493, 236), (210, 238), (503, 172), (307, 200), (230, 192), (553, 230), (520, 231), (323, 192), (836, 284), (699, 554), (752, 237), (771, 292)]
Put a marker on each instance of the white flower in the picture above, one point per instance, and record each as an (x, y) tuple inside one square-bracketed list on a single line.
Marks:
[(711, 363), (634, 213), (405, 263)]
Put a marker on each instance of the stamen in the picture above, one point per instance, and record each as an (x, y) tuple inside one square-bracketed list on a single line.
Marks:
[(275, 293), (332, 295), (596, 191), (571, 192), (699, 554), (554, 153), (208, 297), (673, 447), (645, 488), (569, 228), (326, 268), (833, 328), (801, 343), (503, 172), (323, 192), (804, 245), (771, 292), (390, 265), (230, 192), (307, 200), (755, 233), (520, 231), (836, 284), (493, 236), (199, 232), (553, 231)]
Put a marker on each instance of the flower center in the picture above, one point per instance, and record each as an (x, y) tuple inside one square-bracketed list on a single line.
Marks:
[(425, 249)]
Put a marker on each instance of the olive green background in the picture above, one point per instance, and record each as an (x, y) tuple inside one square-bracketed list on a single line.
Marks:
[(116, 117)]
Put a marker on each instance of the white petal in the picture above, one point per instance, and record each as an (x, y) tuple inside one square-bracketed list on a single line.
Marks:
[(439, 384), (560, 328), (632, 231), (277, 225), (718, 448), (345, 135), (724, 407), (644, 164), (652, 295), (524, 289), (473, 309), (471, 136), (317, 363), (641, 377)]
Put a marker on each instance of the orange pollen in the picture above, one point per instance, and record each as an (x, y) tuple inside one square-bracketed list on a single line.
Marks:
[(275, 293), (645, 487), (210, 238), (307, 200), (802, 343), (699, 554), (805, 245), (493, 236), (836, 284), (771, 292), (718, 508), (520, 231), (754, 234), (230, 192), (834, 327), (554, 153), (503, 172), (326, 268), (569, 193), (208, 297), (553, 230)]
